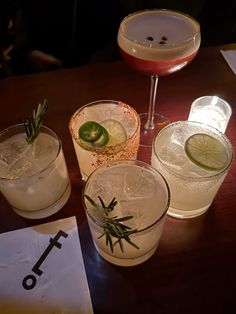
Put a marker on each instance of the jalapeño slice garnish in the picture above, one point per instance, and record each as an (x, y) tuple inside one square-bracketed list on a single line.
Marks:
[(90, 131), (93, 133), (103, 139)]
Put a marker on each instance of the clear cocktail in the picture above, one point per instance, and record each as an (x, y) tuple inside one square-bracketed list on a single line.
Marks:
[(123, 194), (103, 131), (33, 176), (194, 159), (211, 110)]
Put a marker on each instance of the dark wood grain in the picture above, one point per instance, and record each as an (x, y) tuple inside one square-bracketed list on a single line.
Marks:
[(194, 268)]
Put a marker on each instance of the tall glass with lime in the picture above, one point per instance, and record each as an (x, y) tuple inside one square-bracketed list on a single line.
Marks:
[(194, 158), (103, 131)]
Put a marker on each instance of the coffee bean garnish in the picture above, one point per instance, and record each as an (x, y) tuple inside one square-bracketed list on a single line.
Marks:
[(163, 40), (150, 38)]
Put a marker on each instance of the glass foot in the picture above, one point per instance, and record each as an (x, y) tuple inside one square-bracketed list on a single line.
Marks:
[(147, 136)]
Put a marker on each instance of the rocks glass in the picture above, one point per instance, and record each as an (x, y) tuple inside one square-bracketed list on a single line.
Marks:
[(122, 119), (33, 176), (194, 158), (211, 110), (126, 204)]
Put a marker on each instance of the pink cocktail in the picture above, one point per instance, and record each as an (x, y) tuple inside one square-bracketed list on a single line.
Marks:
[(158, 67), (157, 43)]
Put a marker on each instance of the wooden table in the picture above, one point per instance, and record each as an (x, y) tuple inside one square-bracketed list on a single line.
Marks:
[(194, 268)]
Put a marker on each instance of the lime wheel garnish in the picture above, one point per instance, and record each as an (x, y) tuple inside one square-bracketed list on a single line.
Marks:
[(117, 132), (109, 132), (206, 152)]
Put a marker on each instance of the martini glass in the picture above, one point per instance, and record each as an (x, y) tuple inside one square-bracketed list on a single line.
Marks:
[(157, 43)]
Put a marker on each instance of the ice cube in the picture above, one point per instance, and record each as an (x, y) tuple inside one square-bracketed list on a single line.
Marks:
[(12, 152), (22, 167), (173, 156), (107, 186), (139, 185)]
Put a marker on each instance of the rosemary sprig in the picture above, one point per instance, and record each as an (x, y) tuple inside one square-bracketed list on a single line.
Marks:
[(113, 226), (32, 125)]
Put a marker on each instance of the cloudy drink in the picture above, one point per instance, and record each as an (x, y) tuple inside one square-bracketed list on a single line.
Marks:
[(194, 159), (33, 176)]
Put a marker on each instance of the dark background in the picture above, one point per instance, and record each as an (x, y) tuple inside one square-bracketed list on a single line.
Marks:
[(78, 32)]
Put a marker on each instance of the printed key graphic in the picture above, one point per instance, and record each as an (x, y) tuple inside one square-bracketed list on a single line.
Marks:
[(30, 280)]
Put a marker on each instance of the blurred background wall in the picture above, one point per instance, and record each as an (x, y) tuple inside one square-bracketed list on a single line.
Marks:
[(39, 35)]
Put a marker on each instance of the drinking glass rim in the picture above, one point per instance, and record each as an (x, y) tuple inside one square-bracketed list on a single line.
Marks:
[(202, 178), (140, 164), (105, 149), (221, 100), (140, 12), (25, 177)]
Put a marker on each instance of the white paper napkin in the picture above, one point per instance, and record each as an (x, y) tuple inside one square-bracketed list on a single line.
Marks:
[(42, 270), (230, 57)]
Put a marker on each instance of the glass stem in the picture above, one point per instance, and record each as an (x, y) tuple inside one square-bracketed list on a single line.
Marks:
[(149, 125)]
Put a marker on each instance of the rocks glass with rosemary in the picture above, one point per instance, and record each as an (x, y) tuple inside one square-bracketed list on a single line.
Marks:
[(126, 204), (103, 131), (33, 172)]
